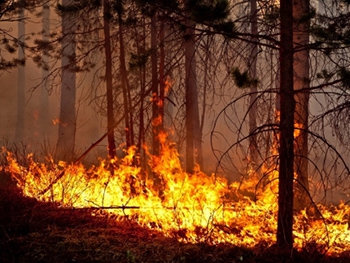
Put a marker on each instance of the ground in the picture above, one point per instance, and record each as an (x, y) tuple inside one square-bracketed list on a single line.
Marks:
[(33, 231)]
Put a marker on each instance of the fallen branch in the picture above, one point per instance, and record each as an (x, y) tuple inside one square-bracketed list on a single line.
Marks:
[(116, 207), (101, 207)]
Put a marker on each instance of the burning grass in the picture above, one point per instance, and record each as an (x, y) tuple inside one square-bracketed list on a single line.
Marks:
[(176, 212), (34, 231)]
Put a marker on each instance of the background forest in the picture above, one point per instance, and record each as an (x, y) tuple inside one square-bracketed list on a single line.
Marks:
[(237, 86)]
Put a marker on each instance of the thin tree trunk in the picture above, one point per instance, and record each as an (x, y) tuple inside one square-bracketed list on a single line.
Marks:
[(286, 151), (44, 96), (131, 122), (162, 78), (204, 103), (140, 36), (301, 81), (155, 95), (123, 74), (108, 76), (193, 138), (253, 147), (67, 119), (20, 77), (126, 88), (142, 139), (141, 47)]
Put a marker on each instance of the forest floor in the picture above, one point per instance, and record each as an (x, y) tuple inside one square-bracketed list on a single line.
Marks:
[(33, 231)]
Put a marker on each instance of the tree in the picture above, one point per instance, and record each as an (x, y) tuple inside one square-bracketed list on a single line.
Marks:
[(162, 77), (44, 101), (138, 61), (67, 116), (21, 74), (191, 94), (253, 146), (286, 128), (301, 16), (155, 84), (109, 79), (192, 112), (129, 131)]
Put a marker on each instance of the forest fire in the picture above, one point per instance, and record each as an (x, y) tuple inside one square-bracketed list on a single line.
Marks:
[(192, 208)]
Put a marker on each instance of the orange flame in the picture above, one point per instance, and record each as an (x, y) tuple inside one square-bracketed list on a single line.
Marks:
[(192, 208)]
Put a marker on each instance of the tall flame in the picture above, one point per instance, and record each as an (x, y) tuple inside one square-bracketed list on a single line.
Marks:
[(192, 208)]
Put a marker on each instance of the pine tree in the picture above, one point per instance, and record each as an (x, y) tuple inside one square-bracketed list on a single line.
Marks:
[(67, 117), (286, 149)]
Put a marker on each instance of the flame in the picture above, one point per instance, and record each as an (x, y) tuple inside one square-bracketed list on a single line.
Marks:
[(57, 121), (297, 129), (157, 121), (192, 208)]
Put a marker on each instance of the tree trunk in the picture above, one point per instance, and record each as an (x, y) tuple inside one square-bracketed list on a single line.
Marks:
[(301, 81), (20, 77), (139, 34), (155, 93), (286, 151), (67, 117), (141, 48), (204, 103), (123, 74), (193, 139), (131, 121), (108, 76), (44, 120), (253, 147), (162, 78)]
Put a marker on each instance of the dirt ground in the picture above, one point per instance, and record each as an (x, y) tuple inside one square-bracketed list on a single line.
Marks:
[(33, 231)]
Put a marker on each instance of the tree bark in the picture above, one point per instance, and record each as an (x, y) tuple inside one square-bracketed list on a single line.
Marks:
[(253, 147), (301, 81), (141, 48), (162, 77), (108, 76), (286, 149), (124, 84), (20, 77), (44, 96), (67, 117), (193, 139), (155, 93)]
